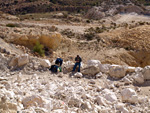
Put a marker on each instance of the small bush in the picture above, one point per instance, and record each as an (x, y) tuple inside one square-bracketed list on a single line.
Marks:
[(88, 21), (39, 49), (12, 25), (89, 36), (141, 23), (68, 32)]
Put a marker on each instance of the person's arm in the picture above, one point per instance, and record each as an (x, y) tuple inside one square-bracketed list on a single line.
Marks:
[(76, 59), (80, 60)]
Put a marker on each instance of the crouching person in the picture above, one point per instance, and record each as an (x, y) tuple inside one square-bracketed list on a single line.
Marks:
[(55, 69)]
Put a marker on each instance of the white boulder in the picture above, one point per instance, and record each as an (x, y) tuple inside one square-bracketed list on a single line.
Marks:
[(117, 71), (129, 95), (45, 63), (146, 72), (94, 63), (121, 108), (68, 66), (139, 78), (78, 75), (90, 71), (23, 59), (109, 95), (104, 68)]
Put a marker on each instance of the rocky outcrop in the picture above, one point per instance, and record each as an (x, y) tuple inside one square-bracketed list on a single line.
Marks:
[(104, 11), (95, 13), (51, 41)]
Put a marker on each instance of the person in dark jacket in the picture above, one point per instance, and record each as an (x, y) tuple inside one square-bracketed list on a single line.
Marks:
[(59, 61), (78, 63), (54, 68)]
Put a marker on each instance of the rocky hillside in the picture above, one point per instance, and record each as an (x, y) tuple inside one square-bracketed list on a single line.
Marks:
[(38, 6), (28, 86), (115, 69)]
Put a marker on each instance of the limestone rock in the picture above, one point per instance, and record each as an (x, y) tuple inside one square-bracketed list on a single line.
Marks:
[(74, 102), (86, 105), (68, 66), (109, 95), (121, 108), (40, 110), (126, 80), (91, 71), (130, 69), (13, 61), (92, 82), (139, 78), (45, 63), (99, 75), (129, 95), (52, 41), (33, 100), (146, 72), (23, 59), (104, 68), (8, 107), (59, 111), (117, 71), (94, 63), (101, 101), (10, 94), (78, 75), (2, 78)]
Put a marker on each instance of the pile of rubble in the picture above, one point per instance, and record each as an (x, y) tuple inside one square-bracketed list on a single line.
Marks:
[(112, 91)]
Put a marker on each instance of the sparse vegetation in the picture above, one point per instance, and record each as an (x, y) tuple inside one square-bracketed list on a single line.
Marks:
[(12, 25), (88, 21), (89, 35), (68, 33), (39, 48)]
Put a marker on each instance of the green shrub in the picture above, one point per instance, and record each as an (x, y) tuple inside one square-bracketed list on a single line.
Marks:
[(12, 25), (88, 21), (39, 49), (89, 35)]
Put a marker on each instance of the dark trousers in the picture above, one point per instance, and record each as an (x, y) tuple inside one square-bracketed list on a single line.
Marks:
[(77, 64)]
